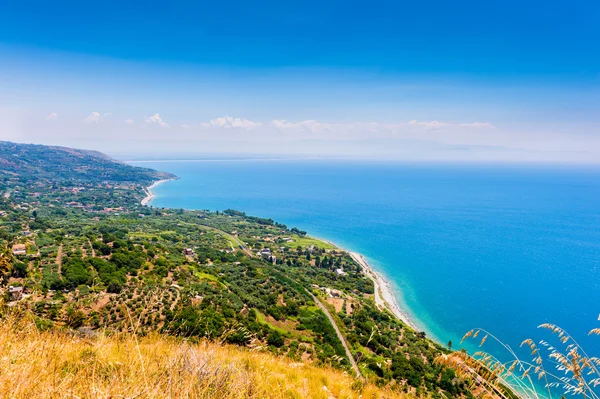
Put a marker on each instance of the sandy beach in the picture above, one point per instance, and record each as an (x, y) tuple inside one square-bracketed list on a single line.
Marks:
[(149, 195), (384, 295)]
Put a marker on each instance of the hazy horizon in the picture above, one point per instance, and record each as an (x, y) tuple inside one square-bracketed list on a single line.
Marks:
[(393, 81)]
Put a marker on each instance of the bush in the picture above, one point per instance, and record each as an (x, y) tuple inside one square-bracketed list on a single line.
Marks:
[(275, 339)]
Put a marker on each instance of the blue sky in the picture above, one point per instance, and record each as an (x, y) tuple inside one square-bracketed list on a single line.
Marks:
[(424, 80)]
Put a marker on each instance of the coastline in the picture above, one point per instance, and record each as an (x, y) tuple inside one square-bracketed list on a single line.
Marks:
[(148, 190), (383, 293)]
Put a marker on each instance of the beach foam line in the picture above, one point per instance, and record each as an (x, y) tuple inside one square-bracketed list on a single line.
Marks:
[(383, 293), (148, 190)]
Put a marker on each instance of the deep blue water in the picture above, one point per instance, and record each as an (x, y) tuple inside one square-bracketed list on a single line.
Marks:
[(500, 247)]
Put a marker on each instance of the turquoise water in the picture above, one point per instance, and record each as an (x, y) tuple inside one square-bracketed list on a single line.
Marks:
[(505, 248)]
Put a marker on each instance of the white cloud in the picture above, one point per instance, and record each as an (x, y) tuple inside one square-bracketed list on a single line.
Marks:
[(128, 121), (282, 124), (479, 125), (436, 125), (94, 117), (310, 125), (52, 116), (156, 120), (313, 129), (108, 114), (229, 122), (428, 125)]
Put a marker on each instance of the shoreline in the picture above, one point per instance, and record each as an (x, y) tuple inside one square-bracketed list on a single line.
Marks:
[(383, 293), (148, 190)]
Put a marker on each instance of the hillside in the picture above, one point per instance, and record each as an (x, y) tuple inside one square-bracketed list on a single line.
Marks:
[(56, 364), (81, 254), (30, 162)]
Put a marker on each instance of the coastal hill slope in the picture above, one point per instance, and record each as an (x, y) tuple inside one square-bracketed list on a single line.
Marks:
[(80, 254), (157, 366), (37, 162)]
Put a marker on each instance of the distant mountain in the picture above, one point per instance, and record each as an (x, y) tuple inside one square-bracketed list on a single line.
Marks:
[(31, 161)]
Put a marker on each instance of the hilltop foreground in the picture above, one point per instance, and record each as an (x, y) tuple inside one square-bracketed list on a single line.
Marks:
[(57, 364)]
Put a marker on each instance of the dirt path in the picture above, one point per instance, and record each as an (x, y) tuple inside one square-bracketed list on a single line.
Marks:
[(91, 246), (230, 238), (59, 257), (338, 332), (317, 301)]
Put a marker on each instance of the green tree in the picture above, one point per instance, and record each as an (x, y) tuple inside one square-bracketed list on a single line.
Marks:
[(275, 339)]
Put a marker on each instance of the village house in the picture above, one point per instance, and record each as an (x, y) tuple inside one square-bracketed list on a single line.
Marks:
[(107, 210), (266, 252), (16, 293), (19, 249), (189, 252), (331, 292)]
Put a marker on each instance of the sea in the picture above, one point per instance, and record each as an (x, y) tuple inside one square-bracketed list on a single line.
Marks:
[(503, 247)]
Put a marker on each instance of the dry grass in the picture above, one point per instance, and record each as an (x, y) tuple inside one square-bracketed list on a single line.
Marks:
[(35, 364)]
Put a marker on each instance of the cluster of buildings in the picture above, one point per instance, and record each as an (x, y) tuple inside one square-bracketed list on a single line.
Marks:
[(266, 253)]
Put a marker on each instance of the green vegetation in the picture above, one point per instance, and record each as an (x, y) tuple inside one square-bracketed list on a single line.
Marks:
[(304, 241), (97, 259)]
